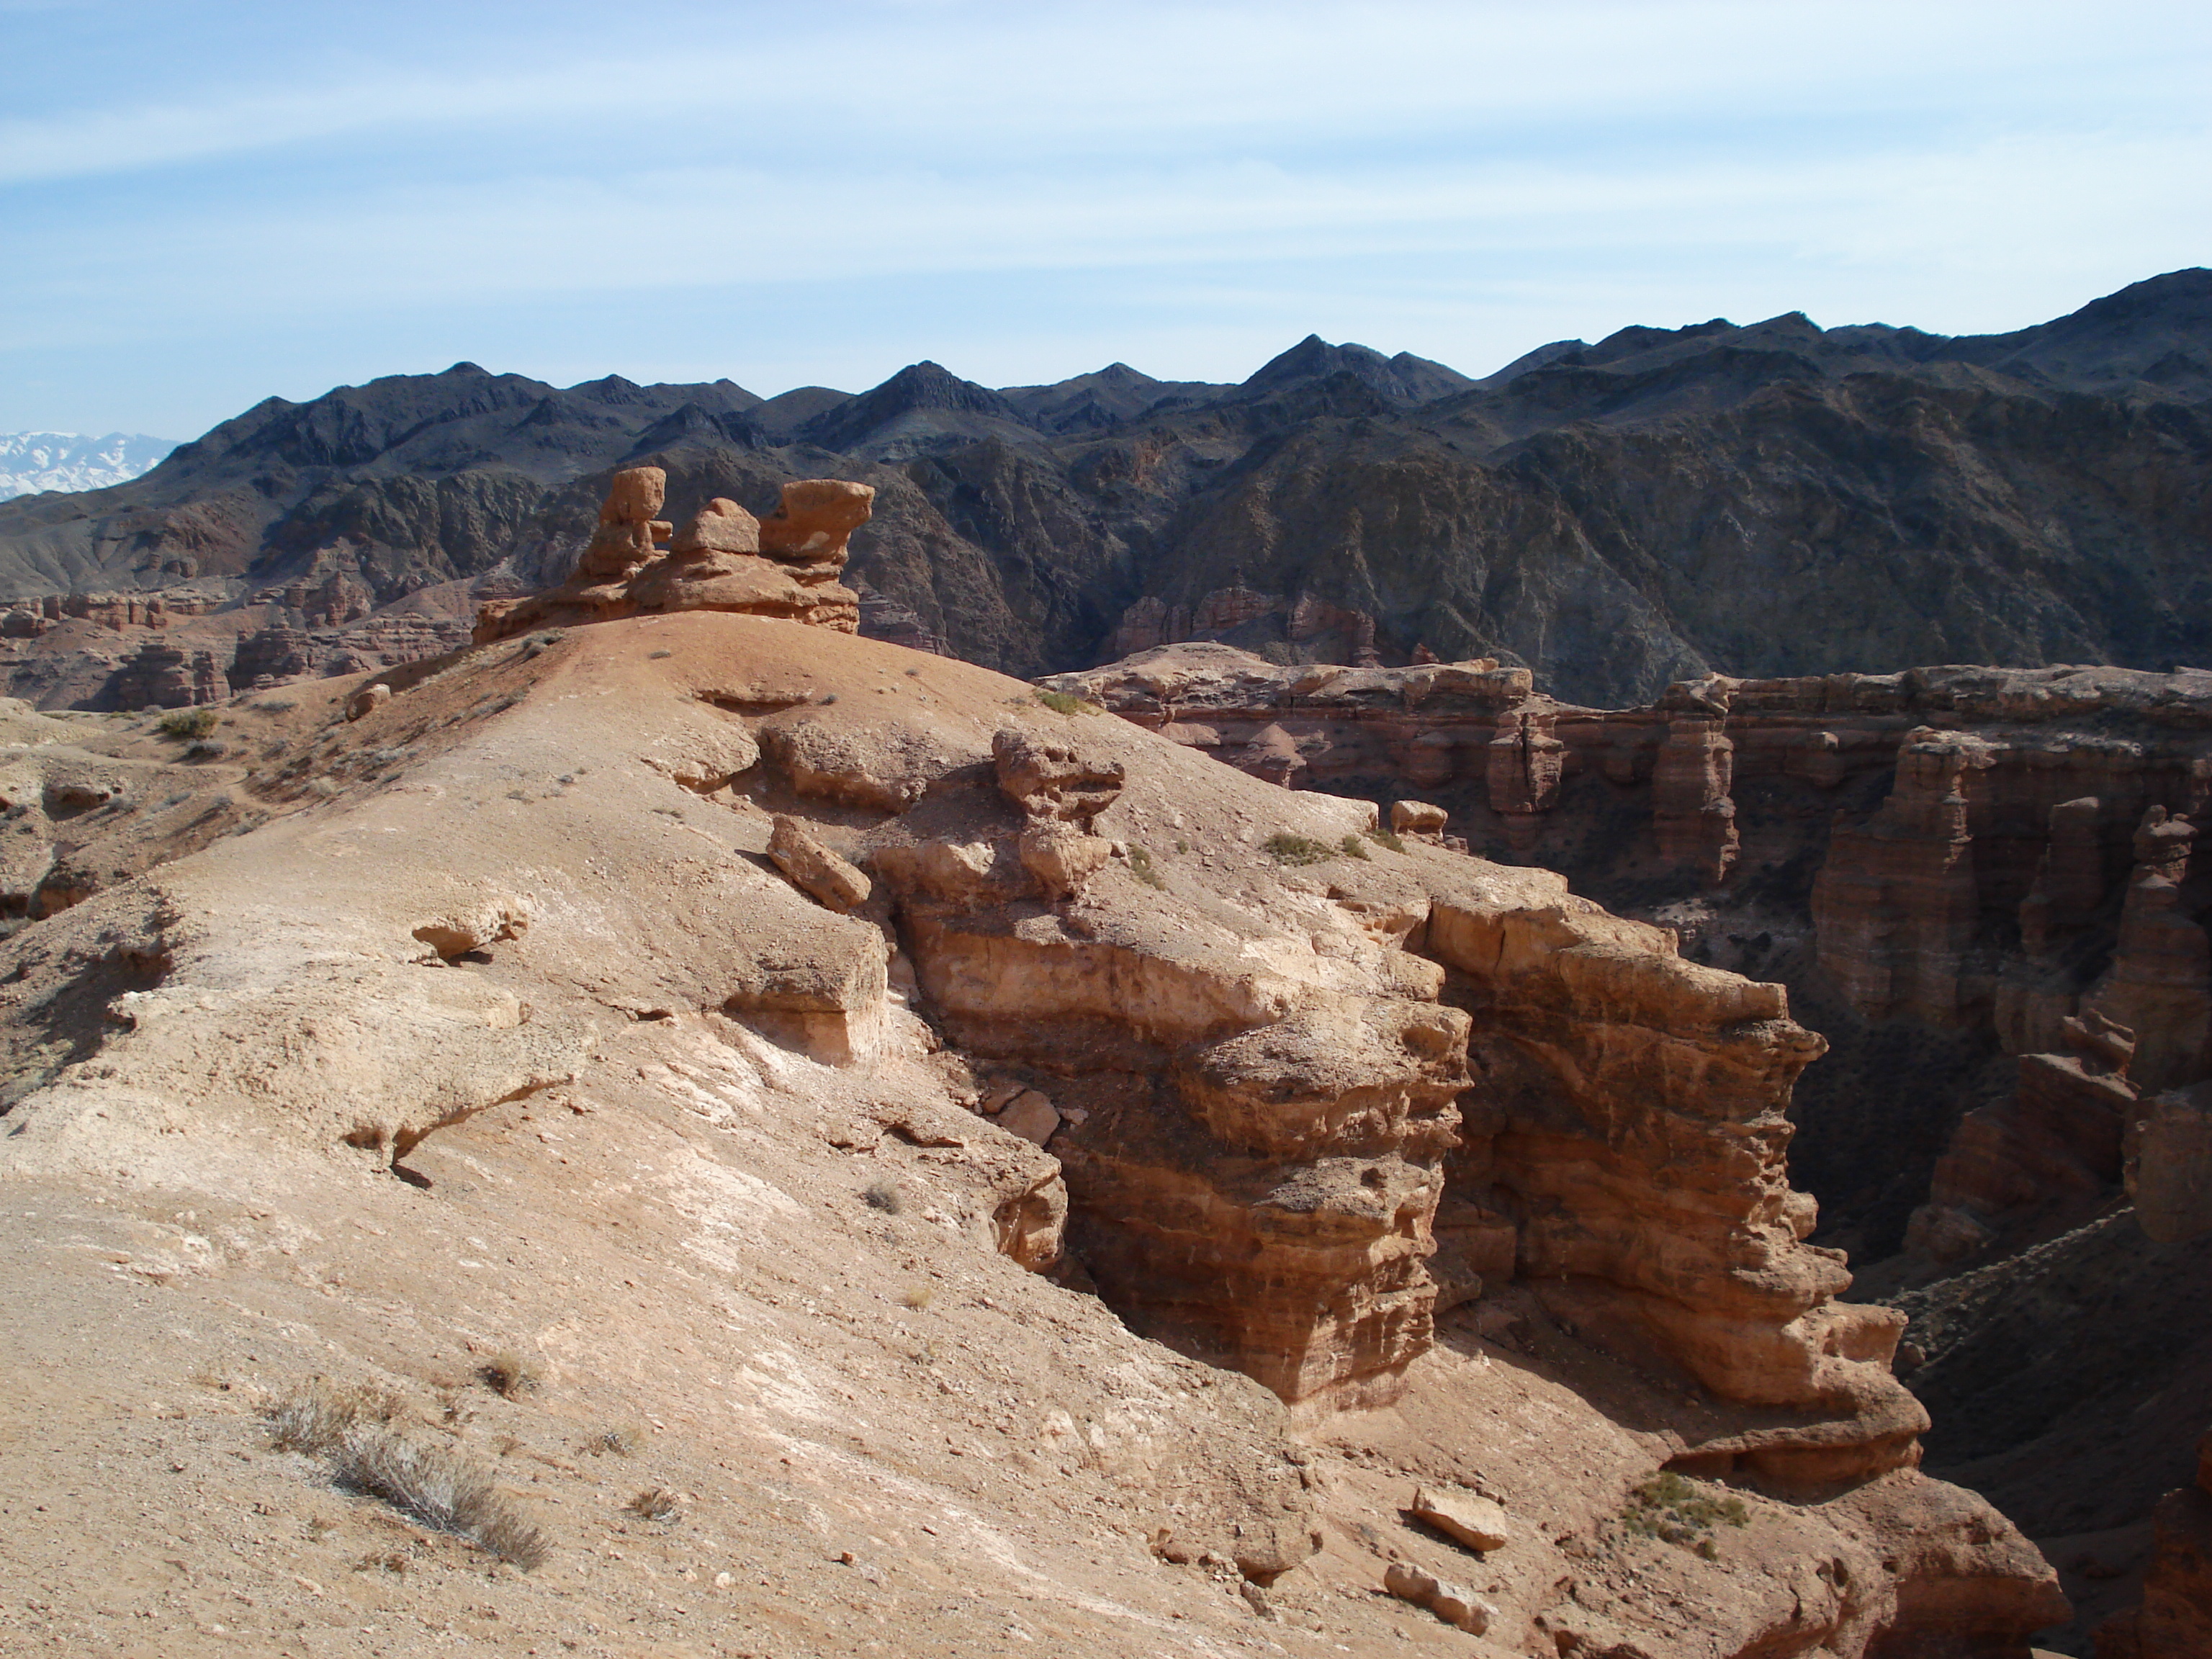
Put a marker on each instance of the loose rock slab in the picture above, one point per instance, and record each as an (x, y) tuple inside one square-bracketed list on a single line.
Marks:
[(1455, 1604), (1477, 1521)]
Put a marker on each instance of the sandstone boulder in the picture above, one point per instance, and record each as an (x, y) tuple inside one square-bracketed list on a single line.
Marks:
[(824, 876), (1477, 1521), (1049, 778), (1061, 857), (1455, 1604), (367, 701), (1030, 1116), (720, 527), (1416, 820)]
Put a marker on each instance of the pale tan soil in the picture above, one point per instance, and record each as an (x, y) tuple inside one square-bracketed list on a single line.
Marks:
[(665, 1215)]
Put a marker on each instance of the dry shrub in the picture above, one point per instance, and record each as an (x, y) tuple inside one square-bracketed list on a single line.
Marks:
[(919, 1298), (656, 1503), (1285, 846), (361, 1432), (188, 723), (1061, 703), (625, 1440), (511, 1374), (884, 1196)]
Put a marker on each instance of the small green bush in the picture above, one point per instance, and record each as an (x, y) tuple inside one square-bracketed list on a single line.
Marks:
[(1285, 848), (1061, 703), (1675, 1509), (188, 723), (1387, 838), (1141, 867), (1353, 849)]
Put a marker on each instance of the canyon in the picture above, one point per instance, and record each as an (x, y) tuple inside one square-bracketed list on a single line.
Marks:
[(1975, 885), (972, 1165), (549, 912)]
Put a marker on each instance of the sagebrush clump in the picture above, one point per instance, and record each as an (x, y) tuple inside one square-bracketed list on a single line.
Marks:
[(1285, 848), (184, 724), (1141, 867), (1675, 1509), (362, 1433)]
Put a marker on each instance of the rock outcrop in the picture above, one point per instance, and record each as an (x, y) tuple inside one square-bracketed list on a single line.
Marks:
[(1984, 853), (2175, 1619), (724, 559)]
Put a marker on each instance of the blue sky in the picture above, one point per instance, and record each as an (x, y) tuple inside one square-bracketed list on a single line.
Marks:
[(202, 205)]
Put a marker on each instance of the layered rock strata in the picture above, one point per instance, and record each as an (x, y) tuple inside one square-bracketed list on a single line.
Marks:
[(1991, 852)]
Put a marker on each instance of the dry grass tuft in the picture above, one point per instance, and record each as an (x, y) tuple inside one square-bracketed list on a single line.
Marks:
[(1141, 867), (656, 1503), (1675, 1509), (624, 1440), (1061, 703), (362, 1433), (919, 1298), (511, 1374), (884, 1196)]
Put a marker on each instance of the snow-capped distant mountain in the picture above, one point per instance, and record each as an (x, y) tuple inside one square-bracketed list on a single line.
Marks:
[(68, 460)]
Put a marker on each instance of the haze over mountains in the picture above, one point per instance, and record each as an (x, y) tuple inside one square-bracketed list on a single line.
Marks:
[(1766, 499)]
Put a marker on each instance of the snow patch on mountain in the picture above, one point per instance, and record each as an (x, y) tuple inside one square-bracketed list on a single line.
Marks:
[(32, 461)]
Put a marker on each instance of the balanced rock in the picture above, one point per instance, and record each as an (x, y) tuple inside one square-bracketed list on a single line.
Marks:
[(814, 521), (624, 543)]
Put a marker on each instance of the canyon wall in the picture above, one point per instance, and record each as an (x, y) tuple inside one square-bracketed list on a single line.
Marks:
[(2004, 856)]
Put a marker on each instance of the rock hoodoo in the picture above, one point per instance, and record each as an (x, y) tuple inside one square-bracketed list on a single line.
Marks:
[(724, 559)]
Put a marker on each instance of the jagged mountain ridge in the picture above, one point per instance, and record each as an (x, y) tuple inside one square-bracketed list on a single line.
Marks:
[(1770, 498), (34, 461)]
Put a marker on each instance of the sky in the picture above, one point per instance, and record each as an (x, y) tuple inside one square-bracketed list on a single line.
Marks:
[(204, 204)]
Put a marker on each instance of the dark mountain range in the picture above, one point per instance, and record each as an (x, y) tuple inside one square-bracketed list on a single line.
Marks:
[(1767, 499)]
